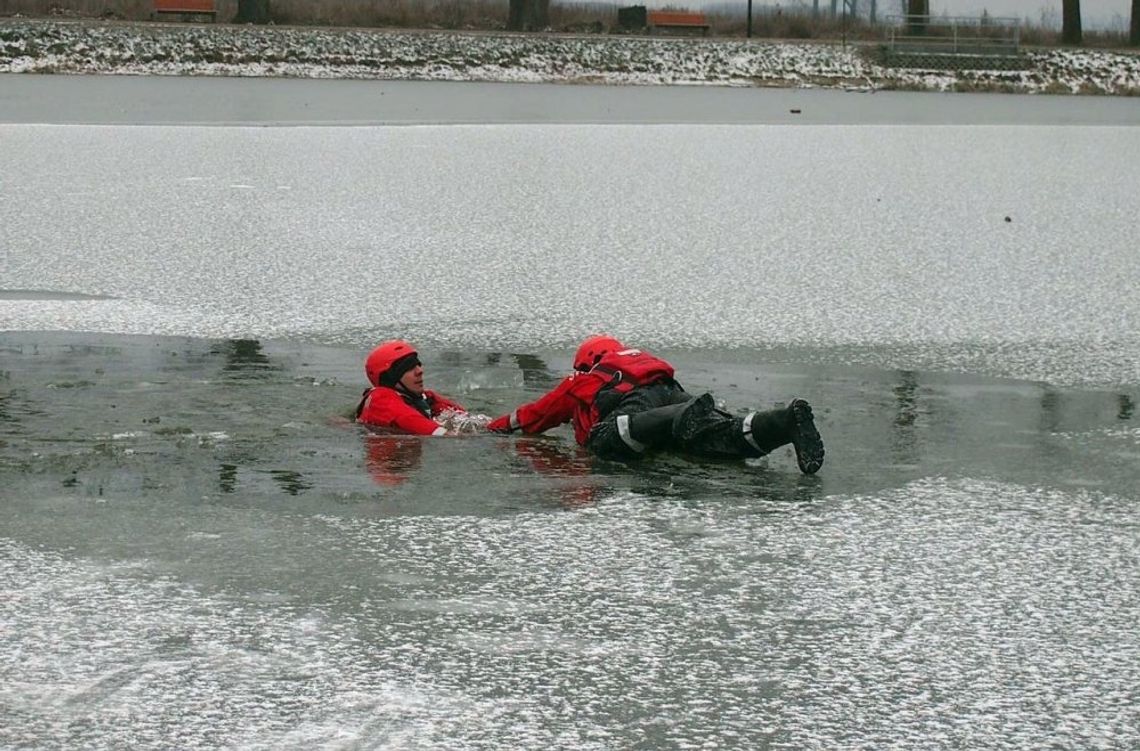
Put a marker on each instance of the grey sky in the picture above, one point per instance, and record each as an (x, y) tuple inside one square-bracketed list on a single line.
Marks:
[(1095, 14)]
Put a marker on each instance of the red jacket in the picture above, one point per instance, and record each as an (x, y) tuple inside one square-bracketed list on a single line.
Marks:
[(387, 408), (574, 399)]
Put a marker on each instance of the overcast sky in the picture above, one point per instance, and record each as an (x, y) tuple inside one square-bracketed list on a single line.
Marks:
[(1094, 13), (1099, 10)]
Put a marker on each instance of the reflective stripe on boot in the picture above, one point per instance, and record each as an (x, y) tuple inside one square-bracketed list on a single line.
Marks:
[(627, 437)]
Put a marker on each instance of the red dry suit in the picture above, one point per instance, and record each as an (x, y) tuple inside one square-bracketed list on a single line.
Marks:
[(385, 407), (584, 398)]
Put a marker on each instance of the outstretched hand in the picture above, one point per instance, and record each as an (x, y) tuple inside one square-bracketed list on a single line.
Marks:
[(463, 423), (500, 424)]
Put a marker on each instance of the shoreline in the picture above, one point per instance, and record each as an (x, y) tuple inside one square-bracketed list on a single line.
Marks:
[(87, 46)]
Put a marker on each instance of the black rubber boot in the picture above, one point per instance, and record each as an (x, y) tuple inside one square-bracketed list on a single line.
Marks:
[(805, 437), (794, 424)]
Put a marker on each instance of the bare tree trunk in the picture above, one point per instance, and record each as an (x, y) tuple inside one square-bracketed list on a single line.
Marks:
[(1071, 21), (252, 11), (528, 15), (917, 12), (515, 15), (1134, 37), (539, 14)]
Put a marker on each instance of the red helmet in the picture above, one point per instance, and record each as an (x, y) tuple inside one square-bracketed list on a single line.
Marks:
[(591, 350), (382, 358)]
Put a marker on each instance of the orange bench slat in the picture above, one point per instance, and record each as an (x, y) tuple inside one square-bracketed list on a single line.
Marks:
[(667, 18), (185, 6)]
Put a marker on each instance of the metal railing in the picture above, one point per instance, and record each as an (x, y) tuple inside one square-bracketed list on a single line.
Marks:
[(953, 35)]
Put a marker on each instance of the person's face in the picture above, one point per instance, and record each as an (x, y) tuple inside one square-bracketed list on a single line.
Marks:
[(413, 380)]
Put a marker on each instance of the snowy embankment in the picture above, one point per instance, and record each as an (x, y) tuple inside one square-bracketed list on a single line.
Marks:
[(157, 49)]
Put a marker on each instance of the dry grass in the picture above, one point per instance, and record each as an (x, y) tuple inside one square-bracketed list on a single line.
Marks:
[(129, 10), (580, 17), (426, 14), (1041, 36), (778, 25)]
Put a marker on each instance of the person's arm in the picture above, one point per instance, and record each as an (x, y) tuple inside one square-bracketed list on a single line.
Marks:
[(440, 403), (548, 411), (385, 409)]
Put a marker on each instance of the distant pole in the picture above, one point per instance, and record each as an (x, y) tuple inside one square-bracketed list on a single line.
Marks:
[(844, 25), (1134, 37), (749, 19)]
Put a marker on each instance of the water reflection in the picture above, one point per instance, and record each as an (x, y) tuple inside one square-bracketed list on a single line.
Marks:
[(291, 482), (570, 469), (244, 357), (6, 409), (227, 477), (535, 372), (15, 407), (1127, 407), (905, 438), (392, 459), (1050, 421)]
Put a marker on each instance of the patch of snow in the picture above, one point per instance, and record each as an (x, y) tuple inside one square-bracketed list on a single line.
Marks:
[(52, 46)]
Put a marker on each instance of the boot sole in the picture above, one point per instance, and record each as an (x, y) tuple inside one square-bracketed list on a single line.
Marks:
[(805, 438)]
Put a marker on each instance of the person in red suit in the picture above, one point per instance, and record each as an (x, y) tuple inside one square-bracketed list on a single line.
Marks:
[(397, 399), (624, 402)]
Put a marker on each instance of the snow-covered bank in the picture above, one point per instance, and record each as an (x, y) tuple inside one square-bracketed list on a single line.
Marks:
[(45, 46)]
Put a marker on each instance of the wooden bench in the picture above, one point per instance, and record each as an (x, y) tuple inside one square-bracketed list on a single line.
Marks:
[(675, 21), (187, 7)]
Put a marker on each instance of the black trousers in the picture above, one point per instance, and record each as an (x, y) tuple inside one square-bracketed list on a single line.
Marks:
[(650, 418)]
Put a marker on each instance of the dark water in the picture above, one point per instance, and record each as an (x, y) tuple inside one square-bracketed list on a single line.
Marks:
[(198, 546), (193, 419)]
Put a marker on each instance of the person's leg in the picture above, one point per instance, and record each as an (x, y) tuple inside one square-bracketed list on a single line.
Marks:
[(703, 430), (651, 429), (643, 421)]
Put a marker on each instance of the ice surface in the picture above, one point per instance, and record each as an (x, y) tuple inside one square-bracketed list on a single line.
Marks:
[(1001, 250), (973, 612)]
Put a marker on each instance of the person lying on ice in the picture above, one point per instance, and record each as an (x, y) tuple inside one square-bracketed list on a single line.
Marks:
[(624, 402), (397, 399)]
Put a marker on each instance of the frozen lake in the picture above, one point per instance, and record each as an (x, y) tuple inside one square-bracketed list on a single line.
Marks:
[(1004, 250), (197, 551)]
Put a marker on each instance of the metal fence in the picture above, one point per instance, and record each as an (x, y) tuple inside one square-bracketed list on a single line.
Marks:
[(953, 41)]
